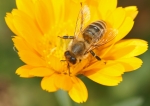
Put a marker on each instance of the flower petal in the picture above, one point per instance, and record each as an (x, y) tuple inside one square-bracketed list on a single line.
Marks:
[(46, 20), (21, 44), (124, 29), (9, 20), (105, 79), (126, 48), (109, 75), (48, 84), (131, 11), (31, 58), (41, 72), (106, 7), (117, 17), (111, 68), (78, 93), (24, 71), (27, 28), (141, 46), (58, 8), (26, 6), (130, 64), (60, 82)]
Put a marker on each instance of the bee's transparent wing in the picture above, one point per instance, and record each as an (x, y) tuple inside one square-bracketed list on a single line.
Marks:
[(107, 37), (82, 20)]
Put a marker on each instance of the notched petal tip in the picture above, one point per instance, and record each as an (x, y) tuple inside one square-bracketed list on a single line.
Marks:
[(78, 93), (23, 71), (131, 11), (131, 64), (47, 83)]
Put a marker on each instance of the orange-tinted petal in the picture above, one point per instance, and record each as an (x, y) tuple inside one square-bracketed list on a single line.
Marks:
[(24, 71), (31, 58), (111, 69), (48, 84), (27, 28), (46, 20), (130, 64), (105, 79), (41, 72), (109, 75), (131, 11), (21, 44), (78, 93), (26, 6), (63, 82)]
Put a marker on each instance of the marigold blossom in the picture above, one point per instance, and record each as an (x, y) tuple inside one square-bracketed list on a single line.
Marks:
[(37, 25)]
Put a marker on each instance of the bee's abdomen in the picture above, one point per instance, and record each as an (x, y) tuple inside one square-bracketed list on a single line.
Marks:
[(94, 31)]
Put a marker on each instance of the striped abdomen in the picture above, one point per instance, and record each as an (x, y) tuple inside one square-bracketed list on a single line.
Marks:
[(93, 32)]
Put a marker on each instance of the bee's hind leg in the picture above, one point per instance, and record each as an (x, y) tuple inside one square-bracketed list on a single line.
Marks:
[(94, 55)]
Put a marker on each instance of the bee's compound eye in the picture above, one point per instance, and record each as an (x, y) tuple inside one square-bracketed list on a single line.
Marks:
[(70, 57), (73, 60)]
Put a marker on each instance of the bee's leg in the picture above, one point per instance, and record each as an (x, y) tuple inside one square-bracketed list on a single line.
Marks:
[(66, 37), (68, 69), (94, 55), (68, 66)]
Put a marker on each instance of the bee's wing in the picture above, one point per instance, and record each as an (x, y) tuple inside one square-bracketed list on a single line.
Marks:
[(83, 18), (109, 35)]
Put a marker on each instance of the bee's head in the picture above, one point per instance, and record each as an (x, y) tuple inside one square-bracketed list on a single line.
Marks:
[(70, 57)]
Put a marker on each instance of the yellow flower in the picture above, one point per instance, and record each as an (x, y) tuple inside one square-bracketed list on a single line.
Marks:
[(37, 25)]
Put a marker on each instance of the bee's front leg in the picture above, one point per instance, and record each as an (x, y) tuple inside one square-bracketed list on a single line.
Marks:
[(67, 37)]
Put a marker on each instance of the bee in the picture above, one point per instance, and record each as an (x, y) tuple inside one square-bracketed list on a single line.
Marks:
[(86, 39)]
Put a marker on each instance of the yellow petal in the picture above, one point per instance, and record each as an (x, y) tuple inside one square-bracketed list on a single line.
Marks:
[(24, 71), (141, 46), (106, 7), (26, 6), (131, 11), (111, 69), (41, 72), (116, 18), (79, 1), (27, 28), (78, 93), (63, 82), (48, 84), (105, 79), (21, 44), (71, 11), (44, 15), (58, 9), (130, 64), (56, 63), (31, 58), (126, 49), (9, 22), (124, 29)]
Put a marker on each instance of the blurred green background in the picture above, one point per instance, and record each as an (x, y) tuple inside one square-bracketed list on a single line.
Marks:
[(16, 91)]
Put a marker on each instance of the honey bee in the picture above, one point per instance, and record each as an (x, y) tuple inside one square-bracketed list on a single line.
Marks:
[(85, 40)]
